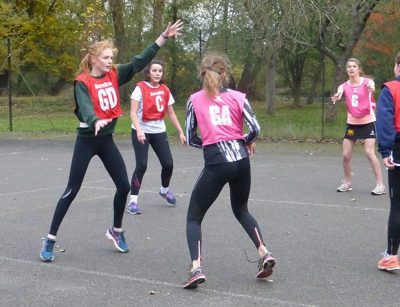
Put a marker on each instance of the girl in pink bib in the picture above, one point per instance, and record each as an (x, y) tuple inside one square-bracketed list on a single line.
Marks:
[(357, 92), (219, 113)]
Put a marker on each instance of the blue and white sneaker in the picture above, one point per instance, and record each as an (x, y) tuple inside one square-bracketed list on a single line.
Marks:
[(118, 239), (133, 208), (169, 197), (47, 254)]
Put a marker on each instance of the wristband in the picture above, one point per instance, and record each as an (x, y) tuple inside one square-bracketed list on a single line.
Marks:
[(164, 36)]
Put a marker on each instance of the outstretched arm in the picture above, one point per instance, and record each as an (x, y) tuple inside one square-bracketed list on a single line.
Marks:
[(338, 94), (128, 70), (171, 31)]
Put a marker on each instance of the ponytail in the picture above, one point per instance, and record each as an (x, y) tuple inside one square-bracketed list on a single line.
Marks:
[(214, 73), (94, 51)]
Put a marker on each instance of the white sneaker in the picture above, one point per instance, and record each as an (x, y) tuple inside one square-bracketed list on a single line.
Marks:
[(344, 187), (379, 190)]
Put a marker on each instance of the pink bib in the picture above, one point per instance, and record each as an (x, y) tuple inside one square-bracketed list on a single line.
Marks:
[(358, 98)]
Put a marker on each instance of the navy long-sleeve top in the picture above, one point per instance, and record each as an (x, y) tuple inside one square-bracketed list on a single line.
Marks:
[(385, 122)]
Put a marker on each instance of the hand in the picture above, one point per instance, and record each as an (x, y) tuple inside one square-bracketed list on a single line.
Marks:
[(251, 149), (336, 97), (370, 87), (174, 30), (183, 138), (140, 136), (100, 124), (388, 162)]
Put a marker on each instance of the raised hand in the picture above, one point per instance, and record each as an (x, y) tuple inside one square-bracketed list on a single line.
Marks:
[(174, 30)]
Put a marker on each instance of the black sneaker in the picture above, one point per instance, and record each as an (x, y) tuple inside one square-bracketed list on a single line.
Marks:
[(265, 265), (196, 276)]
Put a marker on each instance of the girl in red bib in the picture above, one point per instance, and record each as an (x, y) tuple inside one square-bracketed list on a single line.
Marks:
[(151, 101), (98, 108), (358, 92)]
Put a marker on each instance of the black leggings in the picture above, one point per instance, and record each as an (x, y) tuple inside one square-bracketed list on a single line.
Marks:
[(160, 145), (394, 214), (85, 149), (206, 190)]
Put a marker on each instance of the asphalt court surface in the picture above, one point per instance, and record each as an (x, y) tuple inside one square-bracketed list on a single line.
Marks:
[(327, 244)]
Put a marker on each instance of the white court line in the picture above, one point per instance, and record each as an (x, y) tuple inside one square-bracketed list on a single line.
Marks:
[(31, 191), (286, 202), (2, 214), (178, 194), (148, 281), (90, 181), (281, 202)]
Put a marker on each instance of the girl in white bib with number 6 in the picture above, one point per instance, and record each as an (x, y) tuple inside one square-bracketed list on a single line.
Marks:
[(151, 101), (361, 119)]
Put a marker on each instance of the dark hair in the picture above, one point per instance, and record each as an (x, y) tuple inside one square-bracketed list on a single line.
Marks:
[(398, 58), (146, 70)]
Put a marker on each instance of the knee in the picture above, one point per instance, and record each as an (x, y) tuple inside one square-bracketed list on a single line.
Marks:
[(168, 166), (346, 157), (370, 154), (70, 193), (194, 217), (124, 188), (141, 168), (239, 212)]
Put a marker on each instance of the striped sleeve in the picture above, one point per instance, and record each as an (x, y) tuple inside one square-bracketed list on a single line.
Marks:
[(251, 122), (192, 138)]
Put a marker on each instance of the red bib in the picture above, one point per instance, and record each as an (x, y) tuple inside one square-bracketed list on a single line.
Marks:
[(155, 101), (104, 94), (394, 88)]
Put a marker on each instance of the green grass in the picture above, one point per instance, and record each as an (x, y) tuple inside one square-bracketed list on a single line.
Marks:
[(55, 115)]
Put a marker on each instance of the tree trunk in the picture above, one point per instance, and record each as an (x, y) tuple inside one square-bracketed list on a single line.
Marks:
[(331, 114), (297, 96), (174, 56), (3, 79), (57, 87), (119, 29), (120, 40), (158, 13), (249, 74), (225, 27), (314, 84), (137, 37)]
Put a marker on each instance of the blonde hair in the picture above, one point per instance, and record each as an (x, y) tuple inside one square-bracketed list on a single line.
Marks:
[(94, 51), (214, 73), (357, 61)]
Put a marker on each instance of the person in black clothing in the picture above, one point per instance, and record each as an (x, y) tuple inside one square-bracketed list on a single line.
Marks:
[(388, 130), (98, 108)]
